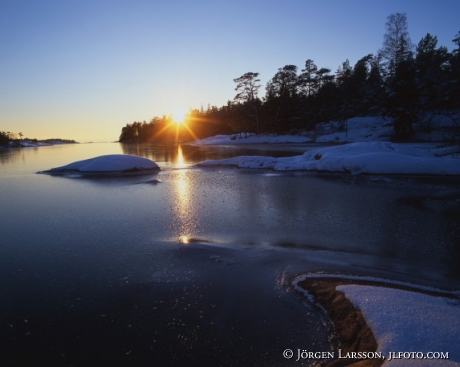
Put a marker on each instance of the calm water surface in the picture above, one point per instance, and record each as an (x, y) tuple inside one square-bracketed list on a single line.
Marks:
[(197, 268)]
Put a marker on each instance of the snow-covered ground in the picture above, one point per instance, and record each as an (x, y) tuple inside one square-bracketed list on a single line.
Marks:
[(407, 321), (108, 163), (356, 158), (252, 139), (404, 321), (354, 130), (368, 151)]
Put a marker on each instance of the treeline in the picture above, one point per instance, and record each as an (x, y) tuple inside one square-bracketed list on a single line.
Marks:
[(6, 137), (405, 82), (9, 138), (200, 123)]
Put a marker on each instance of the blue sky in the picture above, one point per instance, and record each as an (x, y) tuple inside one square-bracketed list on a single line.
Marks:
[(81, 69)]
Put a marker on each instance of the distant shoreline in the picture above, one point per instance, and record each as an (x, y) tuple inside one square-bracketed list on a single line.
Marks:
[(31, 143)]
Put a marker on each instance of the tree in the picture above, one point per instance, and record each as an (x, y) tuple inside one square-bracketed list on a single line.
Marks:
[(432, 77), (284, 83), (361, 70), (323, 77), (454, 74), (343, 72), (375, 84), (247, 88), (357, 86), (307, 80), (281, 97), (403, 94), (5, 137), (396, 41)]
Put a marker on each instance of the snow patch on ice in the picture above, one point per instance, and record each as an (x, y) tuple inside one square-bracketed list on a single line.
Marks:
[(112, 163)]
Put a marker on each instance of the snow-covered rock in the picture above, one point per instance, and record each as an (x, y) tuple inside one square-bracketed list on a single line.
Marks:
[(108, 164)]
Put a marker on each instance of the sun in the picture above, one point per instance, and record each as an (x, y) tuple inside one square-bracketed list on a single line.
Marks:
[(180, 117)]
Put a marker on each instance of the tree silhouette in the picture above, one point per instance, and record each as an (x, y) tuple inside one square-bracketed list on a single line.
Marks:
[(396, 41)]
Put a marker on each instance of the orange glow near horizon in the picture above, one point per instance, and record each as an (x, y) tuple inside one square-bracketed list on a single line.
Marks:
[(180, 120), (190, 131)]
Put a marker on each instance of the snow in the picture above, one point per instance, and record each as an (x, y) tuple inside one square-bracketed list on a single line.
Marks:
[(108, 163), (405, 321), (356, 158), (360, 278), (252, 139), (355, 130), (368, 150)]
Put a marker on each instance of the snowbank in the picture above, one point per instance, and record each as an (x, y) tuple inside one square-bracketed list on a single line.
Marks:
[(434, 128), (404, 321), (357, 129), (113, 163), (252, 139), (356, 158)]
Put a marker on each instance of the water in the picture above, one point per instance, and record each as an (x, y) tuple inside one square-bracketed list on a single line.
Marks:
[(197, 268)]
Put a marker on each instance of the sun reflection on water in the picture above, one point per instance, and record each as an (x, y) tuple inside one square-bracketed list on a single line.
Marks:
[(184, 239), (180, 158), (186, 220)]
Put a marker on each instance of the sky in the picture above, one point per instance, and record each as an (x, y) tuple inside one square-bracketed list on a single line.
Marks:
[(79, 69)]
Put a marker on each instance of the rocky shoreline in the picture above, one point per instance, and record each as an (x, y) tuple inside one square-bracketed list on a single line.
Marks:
[(353, 333)]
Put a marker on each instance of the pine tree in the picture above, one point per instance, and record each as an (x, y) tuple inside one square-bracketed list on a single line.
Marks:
[(247, 88), (454, 75), (403, 96), (343, 72), (431, 74), (307, 79), (284, 84)]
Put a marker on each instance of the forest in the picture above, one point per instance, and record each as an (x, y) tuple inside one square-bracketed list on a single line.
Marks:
[(406, 82)]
